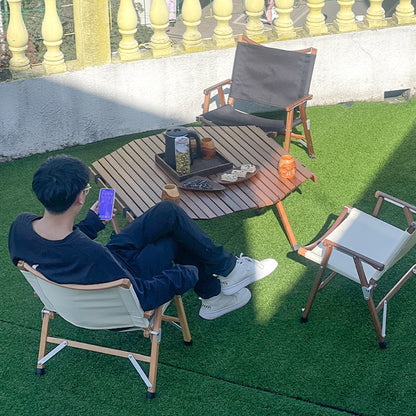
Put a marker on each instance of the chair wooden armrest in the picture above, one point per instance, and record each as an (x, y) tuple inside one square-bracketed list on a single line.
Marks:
[(297, 103), (242, 38), (395, 201), (220, 91), (310, 50), (374, 263), (124, 283), (407, 208), (344, 212)]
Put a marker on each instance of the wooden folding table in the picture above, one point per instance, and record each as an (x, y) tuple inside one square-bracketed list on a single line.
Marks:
[(138, 180)]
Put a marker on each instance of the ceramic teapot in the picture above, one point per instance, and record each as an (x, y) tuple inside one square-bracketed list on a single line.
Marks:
[(172, 134)]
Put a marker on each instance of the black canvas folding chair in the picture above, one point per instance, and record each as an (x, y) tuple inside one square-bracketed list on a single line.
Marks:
[(266, 82)]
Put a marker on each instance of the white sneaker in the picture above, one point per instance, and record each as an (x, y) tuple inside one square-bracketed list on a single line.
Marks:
[(221, 304), (246, 271)]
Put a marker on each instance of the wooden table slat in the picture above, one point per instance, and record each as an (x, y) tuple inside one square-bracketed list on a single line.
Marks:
[(265, 189), (126, 184), (112, 183), (161, 178), (272, 151), (139, 183), (227, 201), (138, 179), (149, 147), (303, 170)]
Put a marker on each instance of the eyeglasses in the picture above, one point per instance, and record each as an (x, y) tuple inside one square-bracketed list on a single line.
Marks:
[(86, 189)]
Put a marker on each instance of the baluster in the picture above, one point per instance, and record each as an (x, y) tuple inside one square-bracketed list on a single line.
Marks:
[(404, 13), (191, 13), (283, 25), (17, 38), (92, 33), (127, 26), (52, 33), (375, 16), (345, 21), (159, 18), (254, 27), (315, 22), (223, 34)]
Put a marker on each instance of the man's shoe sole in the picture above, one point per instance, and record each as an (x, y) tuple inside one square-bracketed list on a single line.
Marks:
[(243, 283)]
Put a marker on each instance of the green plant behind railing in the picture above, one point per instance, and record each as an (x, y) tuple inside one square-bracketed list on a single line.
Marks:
[(143, 33), (33, 12)]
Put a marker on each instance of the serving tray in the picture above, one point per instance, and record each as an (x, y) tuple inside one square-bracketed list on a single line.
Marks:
[(199, 167)]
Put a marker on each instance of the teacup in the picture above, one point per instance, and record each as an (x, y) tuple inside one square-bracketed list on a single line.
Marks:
[(170, 192), (208, 148)]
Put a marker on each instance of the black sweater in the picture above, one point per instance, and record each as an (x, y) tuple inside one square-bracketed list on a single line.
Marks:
[(79, 259)]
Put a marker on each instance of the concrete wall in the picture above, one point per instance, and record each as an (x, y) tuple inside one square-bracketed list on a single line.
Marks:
[(52, 112)]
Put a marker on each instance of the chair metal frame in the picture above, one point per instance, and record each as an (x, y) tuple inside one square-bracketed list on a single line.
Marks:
[(367, 285), (299, 104)]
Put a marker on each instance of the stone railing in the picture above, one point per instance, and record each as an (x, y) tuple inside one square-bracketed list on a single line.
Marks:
[(92, 33)]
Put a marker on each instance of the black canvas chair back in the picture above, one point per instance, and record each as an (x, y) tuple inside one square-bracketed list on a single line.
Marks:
[(269, 89), (273, 77)]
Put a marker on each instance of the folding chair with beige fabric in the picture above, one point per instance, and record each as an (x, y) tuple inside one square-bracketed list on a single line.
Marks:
[(363, 248), (111, 306), (269, 89)]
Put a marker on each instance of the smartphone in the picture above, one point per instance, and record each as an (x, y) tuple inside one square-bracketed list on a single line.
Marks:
[(106, 203)]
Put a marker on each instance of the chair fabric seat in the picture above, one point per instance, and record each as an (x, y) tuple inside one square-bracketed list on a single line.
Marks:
[(227, 115), (366, 235)]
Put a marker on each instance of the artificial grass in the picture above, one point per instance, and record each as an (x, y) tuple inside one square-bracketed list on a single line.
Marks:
[(258, 360)]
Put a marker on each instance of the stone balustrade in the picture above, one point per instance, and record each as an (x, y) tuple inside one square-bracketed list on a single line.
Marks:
[(93, 39)]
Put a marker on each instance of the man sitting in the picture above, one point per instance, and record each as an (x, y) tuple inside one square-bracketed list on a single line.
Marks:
[(163, 252)]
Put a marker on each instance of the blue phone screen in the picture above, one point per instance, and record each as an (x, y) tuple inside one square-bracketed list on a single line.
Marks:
[(106, 204)]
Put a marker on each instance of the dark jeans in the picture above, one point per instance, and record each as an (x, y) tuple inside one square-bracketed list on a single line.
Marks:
[(165, 235)]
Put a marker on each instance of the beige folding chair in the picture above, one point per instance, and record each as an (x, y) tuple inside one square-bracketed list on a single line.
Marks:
[(362, 248), (113, 306)]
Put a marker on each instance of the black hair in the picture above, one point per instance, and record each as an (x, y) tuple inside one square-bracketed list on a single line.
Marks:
[(58, 181)]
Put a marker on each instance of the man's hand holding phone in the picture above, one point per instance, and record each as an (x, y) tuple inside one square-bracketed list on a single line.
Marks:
[(104, 207)]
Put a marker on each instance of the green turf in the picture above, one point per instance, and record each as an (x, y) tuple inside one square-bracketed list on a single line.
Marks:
[(258, 360)]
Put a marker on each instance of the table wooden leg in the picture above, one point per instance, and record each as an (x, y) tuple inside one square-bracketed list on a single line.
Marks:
[(287, 227)]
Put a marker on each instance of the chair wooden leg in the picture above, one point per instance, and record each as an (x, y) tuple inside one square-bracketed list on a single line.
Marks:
[(308, 137), (376, 321), (46, 315), (288, 133), (312, 294), (287, 226), (317, 284), (182, 320), (154, 354)]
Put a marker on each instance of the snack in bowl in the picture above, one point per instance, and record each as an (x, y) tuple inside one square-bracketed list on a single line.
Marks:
[(248, 168), (228, 177), (239, 173)]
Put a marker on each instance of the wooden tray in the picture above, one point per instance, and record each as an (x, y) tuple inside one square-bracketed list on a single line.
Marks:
[(199, 166), (247, 177), (200, 183)]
